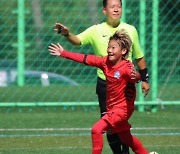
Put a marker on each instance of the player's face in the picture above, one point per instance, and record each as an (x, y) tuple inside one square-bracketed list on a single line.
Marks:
[(113, 10), (115, 52)]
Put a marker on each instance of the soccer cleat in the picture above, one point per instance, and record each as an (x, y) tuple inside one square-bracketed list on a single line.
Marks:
[(153, 152)]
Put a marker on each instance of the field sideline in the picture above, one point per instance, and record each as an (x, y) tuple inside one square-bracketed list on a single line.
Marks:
[(52, 131)]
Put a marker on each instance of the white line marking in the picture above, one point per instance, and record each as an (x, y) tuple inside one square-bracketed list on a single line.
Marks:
[(82, 134), (86, 147), (82, 129), (45, 129), (155, 128)]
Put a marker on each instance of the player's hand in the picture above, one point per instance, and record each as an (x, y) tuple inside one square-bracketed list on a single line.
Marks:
[(145, 88), (133, 73), (61, 29), (55, 49)]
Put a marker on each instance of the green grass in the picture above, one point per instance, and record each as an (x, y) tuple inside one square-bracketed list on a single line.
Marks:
[(22, 131), (53, 93), (65, 93)]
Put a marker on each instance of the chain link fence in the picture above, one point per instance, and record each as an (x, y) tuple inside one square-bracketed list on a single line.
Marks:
[(29, 74)]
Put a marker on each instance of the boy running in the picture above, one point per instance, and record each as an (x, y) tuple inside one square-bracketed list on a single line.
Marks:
[(121, 77), (98, 36)]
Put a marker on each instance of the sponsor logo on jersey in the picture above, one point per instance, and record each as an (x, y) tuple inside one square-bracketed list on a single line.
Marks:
[(117, 75)]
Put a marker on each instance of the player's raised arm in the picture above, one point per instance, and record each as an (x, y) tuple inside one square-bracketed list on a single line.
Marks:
[(55, 49), (63, 30), (58, 50), (91, 60)]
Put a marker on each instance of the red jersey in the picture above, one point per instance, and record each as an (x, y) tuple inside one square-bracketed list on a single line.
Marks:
[(121, 91)]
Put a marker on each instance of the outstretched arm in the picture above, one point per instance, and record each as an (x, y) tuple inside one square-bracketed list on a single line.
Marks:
[(57, 50), (63, 30)]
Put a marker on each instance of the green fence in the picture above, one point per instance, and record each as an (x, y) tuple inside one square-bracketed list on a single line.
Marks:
[(30, 76)]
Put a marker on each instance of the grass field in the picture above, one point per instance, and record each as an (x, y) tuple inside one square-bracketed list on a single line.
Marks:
[(59, 131)]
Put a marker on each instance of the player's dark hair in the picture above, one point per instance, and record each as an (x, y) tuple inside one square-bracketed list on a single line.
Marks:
[(105, 3), (123, 40)]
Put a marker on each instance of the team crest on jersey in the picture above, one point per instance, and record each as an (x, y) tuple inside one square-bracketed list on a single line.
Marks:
[(117, 75)]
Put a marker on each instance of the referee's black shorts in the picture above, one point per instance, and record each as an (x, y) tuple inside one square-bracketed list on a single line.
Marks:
[(101, 92)]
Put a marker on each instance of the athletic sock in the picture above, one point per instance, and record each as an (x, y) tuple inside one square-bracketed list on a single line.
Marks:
[(97, 143)]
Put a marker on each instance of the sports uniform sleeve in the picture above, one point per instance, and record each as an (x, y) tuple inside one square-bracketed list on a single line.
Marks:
[(136, 48), (131, 73), (78, 57), (90, 60), (86, 36)]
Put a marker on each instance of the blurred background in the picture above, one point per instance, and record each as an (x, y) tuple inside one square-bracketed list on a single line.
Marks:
[(28, 74)]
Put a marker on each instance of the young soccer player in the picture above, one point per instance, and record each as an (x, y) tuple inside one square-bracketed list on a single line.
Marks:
[(121, 77), (98, 36)]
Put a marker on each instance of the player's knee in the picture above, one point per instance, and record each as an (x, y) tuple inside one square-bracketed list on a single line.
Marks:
[(95, 130)]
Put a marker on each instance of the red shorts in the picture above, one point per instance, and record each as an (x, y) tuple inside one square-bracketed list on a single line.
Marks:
[(118, 119)]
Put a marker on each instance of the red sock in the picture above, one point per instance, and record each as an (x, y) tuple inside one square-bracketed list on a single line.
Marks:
[(97, 136), (97, 143)]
